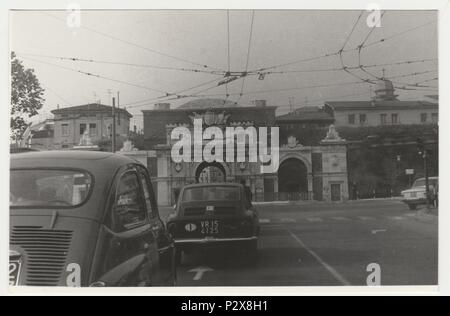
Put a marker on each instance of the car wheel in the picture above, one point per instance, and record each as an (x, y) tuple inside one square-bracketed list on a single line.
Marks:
[(412, 207)]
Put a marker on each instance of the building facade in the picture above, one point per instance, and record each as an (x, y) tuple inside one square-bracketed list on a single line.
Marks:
[(305, 172), (384, 109), (39, 136), (96, 119)]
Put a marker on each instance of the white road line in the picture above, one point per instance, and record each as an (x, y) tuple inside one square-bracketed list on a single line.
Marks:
[(366, 218), (288, 220), (314, 219), (264, 221), (377, 231), (341, 219), (329, 268), (397, 218)]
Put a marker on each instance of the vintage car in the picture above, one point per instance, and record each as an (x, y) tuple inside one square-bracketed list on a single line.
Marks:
[(82, 219), (214, 215), (417, 194)]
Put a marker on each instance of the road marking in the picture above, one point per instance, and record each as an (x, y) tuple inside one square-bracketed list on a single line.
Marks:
[(264, 221), (314, 219), (366, 218), (329, 268), (339, 218), (397, 218), (376, 231), (288, 220), (199, 272)]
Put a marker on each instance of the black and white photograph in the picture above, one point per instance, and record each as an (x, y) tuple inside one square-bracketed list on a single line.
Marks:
[(223, 148)]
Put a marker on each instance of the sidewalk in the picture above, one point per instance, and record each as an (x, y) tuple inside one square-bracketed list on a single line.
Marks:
[(313, 202)]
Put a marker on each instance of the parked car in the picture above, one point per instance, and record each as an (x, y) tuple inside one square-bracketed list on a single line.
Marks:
[(85, 219), (214, 215), (417, 194)]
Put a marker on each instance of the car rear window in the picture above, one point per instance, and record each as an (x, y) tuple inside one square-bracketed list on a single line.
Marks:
[(49, 188), (422, 182), (215, 193)]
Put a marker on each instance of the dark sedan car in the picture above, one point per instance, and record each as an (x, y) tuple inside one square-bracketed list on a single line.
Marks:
[(214, 214), (85, 219)]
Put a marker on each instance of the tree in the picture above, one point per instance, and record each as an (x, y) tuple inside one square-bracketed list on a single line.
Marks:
[(26, 97)]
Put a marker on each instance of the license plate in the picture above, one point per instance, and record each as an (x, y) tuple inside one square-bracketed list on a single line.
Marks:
[(209, 228), (14, 272)]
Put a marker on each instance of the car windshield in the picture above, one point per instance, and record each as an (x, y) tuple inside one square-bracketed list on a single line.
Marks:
[(48, 188), (421, 182), (213, 193)]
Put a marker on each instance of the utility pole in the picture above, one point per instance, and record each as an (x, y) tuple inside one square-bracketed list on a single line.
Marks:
[(118, 107), (427, 178), (113, 140), (423, 152)]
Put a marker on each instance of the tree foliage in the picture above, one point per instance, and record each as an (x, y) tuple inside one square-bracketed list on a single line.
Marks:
[(26, 97)]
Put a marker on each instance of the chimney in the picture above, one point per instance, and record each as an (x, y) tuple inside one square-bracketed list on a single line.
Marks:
[(162, 106), (260, 103)]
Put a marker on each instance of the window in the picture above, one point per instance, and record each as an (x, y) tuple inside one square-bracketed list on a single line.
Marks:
[(423, 117), (93, 129), (435, 118), (129, 204), (211, 193), (394, 118), (65, 129), (362, 119), (82, 128), (43, 188), (383, 119), (146, 188), (351, 119)]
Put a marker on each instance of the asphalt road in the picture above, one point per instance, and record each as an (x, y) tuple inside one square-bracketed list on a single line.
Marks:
[(319, 244)]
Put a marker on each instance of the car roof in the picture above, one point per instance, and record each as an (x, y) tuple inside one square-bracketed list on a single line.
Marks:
[(102, 165), (86, 160), (202, 185)]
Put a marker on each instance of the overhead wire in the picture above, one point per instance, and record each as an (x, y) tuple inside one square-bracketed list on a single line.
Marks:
[(90, 74), (133, 44), (248, 55), (76, 59)]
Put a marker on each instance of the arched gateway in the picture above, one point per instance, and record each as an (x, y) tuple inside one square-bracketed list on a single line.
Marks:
[(212, 172), (311, 172), (293, 180)]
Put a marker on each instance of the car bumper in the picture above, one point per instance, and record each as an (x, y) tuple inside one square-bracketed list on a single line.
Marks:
[(415, 201), (206, 241)]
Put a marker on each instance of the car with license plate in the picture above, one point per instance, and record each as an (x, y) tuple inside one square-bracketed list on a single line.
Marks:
[(81, 219), (212, 215), (417, 194)]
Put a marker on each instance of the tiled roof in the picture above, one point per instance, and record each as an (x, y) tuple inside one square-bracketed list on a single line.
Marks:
[(369, 105), (94, 107), (208, 103), (303, 114)]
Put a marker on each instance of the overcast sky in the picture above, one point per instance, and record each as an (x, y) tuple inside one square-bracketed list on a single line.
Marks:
[(200, 37)]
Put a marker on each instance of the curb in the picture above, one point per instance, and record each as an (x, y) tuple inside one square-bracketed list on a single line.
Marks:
[(313, 202)]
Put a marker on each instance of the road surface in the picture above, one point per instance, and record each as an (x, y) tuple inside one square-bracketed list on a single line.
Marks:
[(320, 244)]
